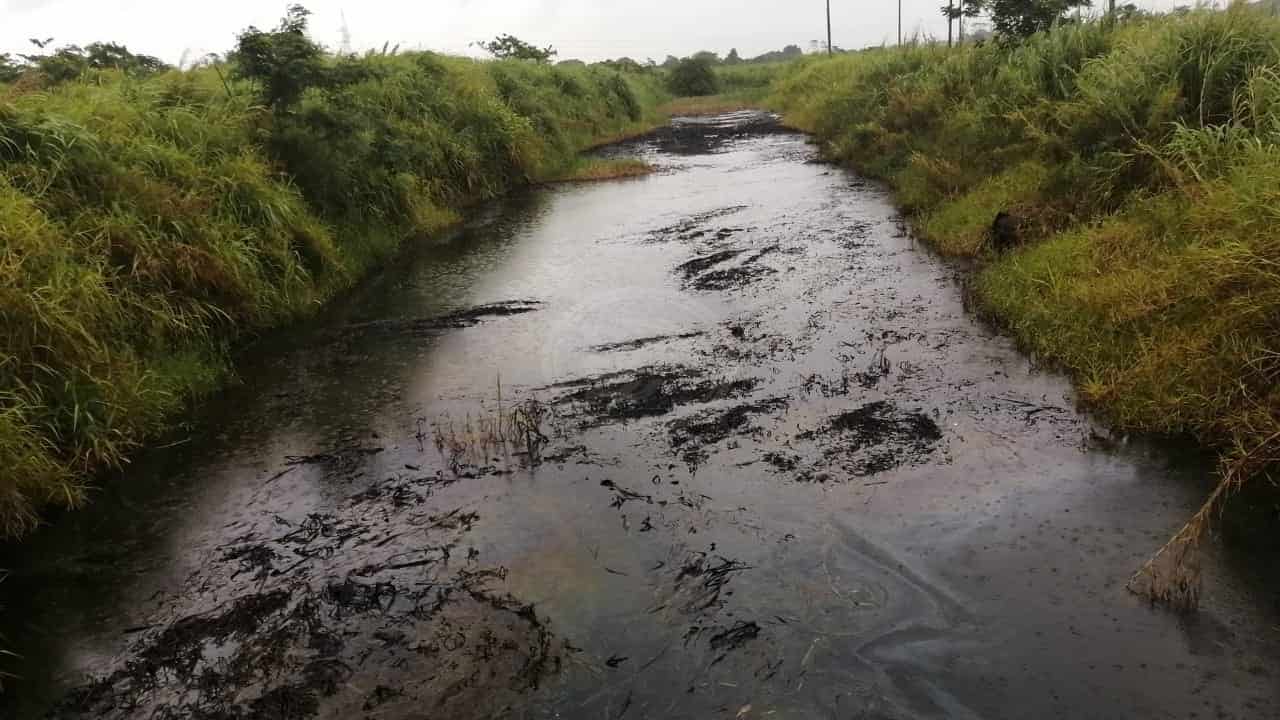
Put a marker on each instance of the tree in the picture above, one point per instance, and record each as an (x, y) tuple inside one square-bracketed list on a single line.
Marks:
[(10, 69), (69, 62), (623, 64), (789, 52), (118, 57), (732, 58), (511, 47), (670, 62), (1015, 19), (1129, 11), (285, 61), (707, 56), (693, 76), (953, 11), (63, 65)]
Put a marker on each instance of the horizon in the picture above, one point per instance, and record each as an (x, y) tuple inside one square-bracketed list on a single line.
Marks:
[(578, 30)]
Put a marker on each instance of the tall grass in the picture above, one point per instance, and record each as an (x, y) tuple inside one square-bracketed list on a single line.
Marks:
[(1142, 160), (749, 81), (146, 226)]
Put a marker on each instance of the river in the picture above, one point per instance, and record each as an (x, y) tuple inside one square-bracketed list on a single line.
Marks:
[(722, 441)]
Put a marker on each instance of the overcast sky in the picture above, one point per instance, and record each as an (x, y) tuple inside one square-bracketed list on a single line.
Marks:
[(584, 29)]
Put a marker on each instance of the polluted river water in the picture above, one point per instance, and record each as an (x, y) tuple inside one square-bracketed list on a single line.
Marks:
[(718, 442)]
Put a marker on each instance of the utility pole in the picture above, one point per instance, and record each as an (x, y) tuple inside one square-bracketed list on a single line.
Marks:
[(829, 51), (961, 21), (951, 19), (899, 22)]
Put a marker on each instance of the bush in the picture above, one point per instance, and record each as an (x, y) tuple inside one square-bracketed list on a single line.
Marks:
[(284, 62), (693, 77)]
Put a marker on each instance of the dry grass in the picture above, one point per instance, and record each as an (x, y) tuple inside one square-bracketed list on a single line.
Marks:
[(1172, 575), (522, 427), (592, 169)]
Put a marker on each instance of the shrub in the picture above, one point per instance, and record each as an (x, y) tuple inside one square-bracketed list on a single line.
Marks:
[(693, 77), (285, 62)]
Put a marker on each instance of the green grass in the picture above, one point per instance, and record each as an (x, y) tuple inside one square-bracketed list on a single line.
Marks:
[(1143, 160), (750, 83), (148, 226)]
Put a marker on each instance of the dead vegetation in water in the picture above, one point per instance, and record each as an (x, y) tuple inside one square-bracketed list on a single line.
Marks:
[(1171, 577), (702, 580), (524, 428)]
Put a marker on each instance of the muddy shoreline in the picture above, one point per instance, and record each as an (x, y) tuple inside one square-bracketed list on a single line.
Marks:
[(721, 441)]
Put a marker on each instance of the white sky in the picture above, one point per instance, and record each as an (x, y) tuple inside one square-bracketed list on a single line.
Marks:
[(585, 29)]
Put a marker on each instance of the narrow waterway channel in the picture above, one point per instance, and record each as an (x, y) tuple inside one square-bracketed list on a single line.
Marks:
[(759, 462)]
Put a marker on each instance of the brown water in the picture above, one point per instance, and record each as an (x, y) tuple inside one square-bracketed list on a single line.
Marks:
[(785, 475)]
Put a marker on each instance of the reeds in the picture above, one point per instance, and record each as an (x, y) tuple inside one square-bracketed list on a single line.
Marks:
[(522, 428)]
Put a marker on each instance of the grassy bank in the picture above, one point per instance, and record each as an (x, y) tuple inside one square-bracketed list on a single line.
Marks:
[(1140, 165), (148, 225)]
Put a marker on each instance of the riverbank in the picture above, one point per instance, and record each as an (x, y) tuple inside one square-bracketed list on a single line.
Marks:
[(1135, 165), (152, 225)]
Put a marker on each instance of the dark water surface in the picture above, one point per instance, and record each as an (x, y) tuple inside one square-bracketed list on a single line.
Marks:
[(785, 475)]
